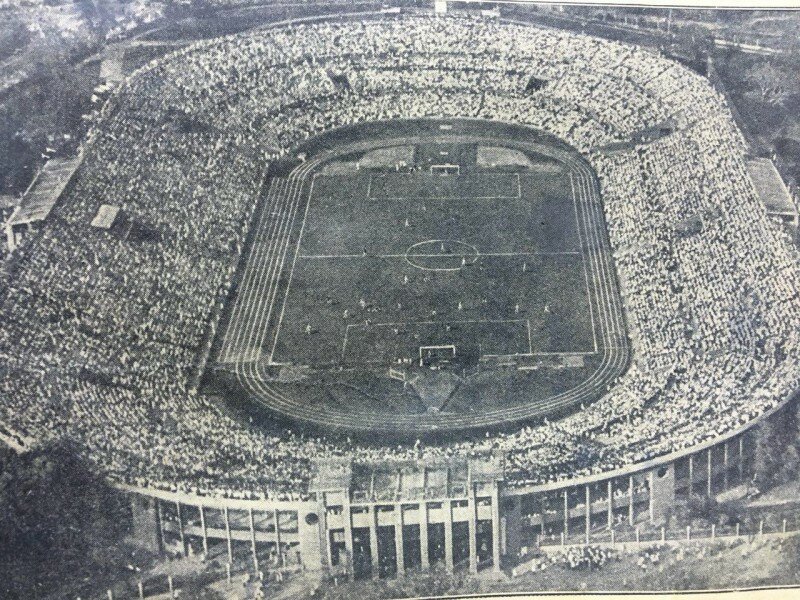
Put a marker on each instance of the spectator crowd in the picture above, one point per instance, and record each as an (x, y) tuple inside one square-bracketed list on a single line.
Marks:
[(103, 331)]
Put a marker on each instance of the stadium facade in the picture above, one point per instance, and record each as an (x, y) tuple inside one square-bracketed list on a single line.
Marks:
[(383, 519)]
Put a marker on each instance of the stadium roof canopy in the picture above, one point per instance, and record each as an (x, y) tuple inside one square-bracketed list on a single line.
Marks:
[(42, 194), (105, 217), (771, 188)]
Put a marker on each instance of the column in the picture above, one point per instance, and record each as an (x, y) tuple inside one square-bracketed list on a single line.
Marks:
[(691, 475), (725, 465), (160, 523), (324, 533), (423, 535), (566, 514), (180, 529), (710, 474), (741, 462), (348, 531), (588, 511), (448, 534), (630, 500), (398, 538), (473, 530), (228, 534), (373, 540), (543, 511), (309, 540), (276, 522), (203, 528), (495, 527), (253, 539), (610, 504)]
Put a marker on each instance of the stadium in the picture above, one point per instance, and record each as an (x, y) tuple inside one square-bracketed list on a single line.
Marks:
[(371, 293)]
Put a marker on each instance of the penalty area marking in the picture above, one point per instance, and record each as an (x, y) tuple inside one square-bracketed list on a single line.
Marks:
[(468, 322), (464, 197)]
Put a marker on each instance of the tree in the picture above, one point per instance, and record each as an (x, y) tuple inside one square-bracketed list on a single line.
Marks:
[(61, 525), (790, 467), (436, 582), (769, 83), (698, 41)]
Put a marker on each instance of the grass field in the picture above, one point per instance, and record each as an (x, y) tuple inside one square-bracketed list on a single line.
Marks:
[(489, 262), (489, 293)]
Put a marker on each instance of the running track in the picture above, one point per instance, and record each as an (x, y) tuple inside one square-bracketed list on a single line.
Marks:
[(245, 347)]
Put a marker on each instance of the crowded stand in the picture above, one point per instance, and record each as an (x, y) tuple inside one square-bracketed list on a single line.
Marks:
[(103, 334)]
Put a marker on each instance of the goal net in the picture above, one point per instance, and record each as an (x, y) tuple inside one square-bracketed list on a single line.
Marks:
[(445, 169), (434, 355), (397, 374)]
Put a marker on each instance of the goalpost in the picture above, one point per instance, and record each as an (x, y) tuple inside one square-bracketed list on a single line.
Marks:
[(397, 374), (445, 169), (429, 355)]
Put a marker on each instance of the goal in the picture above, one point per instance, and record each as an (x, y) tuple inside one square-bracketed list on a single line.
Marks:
[(397, 374), (445, 170), (431, 356)]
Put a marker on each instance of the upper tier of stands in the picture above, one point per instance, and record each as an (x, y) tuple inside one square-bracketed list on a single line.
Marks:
[(100, 334)]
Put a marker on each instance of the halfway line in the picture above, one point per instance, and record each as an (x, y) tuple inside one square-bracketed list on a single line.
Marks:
[(414, 255)]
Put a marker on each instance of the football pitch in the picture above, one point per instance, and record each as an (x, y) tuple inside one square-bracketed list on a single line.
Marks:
[(414, 284), (388, 264)]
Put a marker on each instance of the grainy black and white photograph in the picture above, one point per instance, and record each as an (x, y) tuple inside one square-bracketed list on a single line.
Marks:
[(307, 299)]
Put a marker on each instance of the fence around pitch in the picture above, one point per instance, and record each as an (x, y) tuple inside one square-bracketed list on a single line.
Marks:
[(664, 535)]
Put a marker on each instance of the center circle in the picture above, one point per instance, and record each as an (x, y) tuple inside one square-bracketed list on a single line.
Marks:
[(441, 255)]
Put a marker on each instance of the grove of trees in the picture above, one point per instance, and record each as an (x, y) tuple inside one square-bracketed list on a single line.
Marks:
[(62, 527)]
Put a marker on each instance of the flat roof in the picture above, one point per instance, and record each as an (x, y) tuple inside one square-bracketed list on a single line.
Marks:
[(405, 480), (770, 187), (42, 194), (111, 68), (331, 474), (105, 217)]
